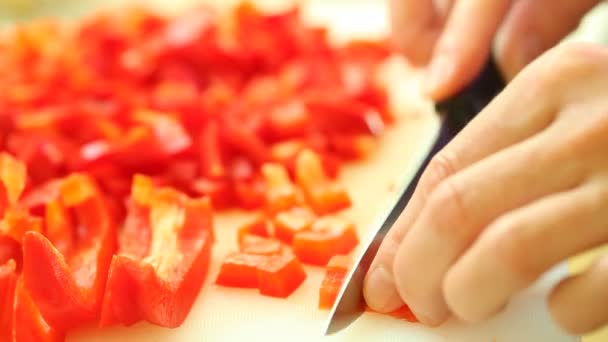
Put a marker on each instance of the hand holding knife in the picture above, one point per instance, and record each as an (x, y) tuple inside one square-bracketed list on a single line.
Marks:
[(455, 113)]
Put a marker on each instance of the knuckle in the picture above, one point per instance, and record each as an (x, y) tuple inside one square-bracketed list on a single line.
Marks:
[(564, 64), (441, 166), (449, 199), (515, 250), (570, 61)]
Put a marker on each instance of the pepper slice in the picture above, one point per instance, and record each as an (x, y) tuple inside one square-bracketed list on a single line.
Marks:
[(162, 260), (68, 284), (259, 245), (290, 222), (13, 176), (335, 272), (281, 193), (8, 280), (28, 323), (257, 225), (240, 270), (275, 275), (328, 236), (323, 195), (280, 275)]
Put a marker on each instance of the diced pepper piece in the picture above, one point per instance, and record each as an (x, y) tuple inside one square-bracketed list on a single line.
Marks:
[(210, 152), (259, 245), (323, 195), (245, 142), (161, 285), (328, 236), (17, 222), (68, 288), (219, 191), (280, 275), (59, 226), (250, 194), (13, 176), (281, 193), (8, 281), (289, 120), (335, 272), (256, 225), (172, 137), (4, 202), (28, 324), (292, 221), (240, 270), (10, 251), (356, 147)]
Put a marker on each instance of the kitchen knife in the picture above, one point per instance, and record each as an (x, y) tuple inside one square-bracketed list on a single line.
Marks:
[(454, 113)]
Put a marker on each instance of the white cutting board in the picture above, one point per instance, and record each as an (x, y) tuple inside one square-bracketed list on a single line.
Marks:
[(222, 314)]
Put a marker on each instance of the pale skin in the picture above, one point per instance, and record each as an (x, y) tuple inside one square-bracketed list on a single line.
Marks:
[(523, 187)]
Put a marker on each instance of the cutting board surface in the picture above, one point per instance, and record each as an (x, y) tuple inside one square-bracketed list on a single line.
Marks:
[(223, 314)]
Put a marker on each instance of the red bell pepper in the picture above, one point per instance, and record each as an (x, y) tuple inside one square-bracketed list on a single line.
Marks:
[(8, 280), (292, 221), (249, 193), (240, 270), (259, 245), (13, 176), (3, 199), (276, 275), (28, 323), (257, 225), (17, 222), (327, 237), (281, 193), (279, 275), (323, 195), (335, 272), (211, 154), (162, 259), (68, 288)]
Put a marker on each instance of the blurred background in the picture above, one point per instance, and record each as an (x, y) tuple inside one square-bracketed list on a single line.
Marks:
[(594, 28)]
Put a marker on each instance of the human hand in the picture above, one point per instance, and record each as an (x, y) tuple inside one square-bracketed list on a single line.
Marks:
[(456, 37), (522, 188)]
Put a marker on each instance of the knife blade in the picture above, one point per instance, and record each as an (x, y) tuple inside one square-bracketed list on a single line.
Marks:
[(455, 113)]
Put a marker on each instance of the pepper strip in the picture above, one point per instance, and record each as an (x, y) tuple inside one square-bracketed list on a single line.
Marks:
[(159, 282), (68, 284)]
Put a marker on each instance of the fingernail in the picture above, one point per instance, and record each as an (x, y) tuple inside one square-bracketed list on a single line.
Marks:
[(381, 293), (440, 69)]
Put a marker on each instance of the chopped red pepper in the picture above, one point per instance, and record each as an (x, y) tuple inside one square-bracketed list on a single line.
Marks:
[(281, 193), (240, 270), (335, 272), (13, 177), (211, 155), (327, 237), (160, 280), (29, 325), (256, 225), (68, 288), (275, 275), (292, 221), (259, 245), (280, 275), (323, 195), (8, 281), (198, 108)]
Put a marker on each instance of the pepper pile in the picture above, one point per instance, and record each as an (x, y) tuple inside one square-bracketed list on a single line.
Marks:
[(272, 245), (121, 132)]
